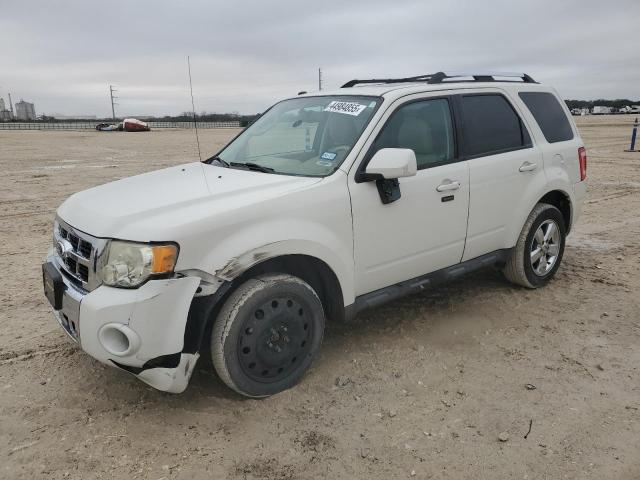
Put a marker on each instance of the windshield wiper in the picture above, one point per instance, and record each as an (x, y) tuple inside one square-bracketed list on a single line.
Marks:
[(220, 161), (252, 166)]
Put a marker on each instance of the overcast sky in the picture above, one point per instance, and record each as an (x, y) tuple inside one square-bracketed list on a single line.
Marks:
[(247, 54)]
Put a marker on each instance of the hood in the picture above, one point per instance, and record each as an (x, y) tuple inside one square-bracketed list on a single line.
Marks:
[(149, 207)]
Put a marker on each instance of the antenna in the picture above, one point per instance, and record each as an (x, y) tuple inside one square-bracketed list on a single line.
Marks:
[(113, 110), (320, 79), (193, 107)]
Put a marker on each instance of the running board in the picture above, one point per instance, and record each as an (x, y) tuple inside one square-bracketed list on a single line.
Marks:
[(408, 287)]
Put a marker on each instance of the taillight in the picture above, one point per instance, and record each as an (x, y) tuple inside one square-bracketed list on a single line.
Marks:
[(582, 156)]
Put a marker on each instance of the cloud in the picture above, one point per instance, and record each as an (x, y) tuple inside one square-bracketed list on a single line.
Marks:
[(247, 54)]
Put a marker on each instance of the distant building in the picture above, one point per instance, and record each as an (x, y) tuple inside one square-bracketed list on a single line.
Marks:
[(5, 115), (600, 110), (25, 111)]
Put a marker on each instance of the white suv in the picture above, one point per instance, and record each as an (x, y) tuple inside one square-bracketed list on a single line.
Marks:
[(328, 204)]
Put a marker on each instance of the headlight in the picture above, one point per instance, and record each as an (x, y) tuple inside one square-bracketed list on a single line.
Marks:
[(128, 264)]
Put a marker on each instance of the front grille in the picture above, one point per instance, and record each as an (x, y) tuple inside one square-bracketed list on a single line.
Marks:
[(83, 271), (76, 254), (72, 265), (85, 249), (79, 245)]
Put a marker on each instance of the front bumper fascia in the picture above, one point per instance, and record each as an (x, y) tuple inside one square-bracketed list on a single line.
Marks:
[(157, 315)]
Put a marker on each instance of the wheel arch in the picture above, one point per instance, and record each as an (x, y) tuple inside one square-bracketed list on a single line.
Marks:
[(287, 254), (562, 201), (317, 273), (555, 195)]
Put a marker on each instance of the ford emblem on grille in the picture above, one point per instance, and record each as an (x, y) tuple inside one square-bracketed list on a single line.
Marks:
[(62, 247)]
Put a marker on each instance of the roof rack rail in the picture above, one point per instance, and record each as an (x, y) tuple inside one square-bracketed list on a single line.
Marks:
[(448, 77)]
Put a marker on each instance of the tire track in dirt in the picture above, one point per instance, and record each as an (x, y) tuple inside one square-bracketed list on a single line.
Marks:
[(29, 353)]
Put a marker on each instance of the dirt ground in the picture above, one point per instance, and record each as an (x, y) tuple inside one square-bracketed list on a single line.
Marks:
[(420, 388)]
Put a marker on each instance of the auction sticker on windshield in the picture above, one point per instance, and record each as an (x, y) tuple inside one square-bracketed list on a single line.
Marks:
[(350, 108)]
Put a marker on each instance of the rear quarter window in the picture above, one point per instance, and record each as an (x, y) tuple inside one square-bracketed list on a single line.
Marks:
[(549, 115)]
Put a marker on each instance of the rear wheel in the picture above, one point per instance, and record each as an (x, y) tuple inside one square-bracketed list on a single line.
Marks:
[(267, 334), (537, 255)]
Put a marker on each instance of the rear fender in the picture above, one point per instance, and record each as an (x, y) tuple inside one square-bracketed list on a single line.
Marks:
[(532, 200)]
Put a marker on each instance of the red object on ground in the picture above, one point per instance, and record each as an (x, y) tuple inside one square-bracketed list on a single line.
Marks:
[(134, 125)]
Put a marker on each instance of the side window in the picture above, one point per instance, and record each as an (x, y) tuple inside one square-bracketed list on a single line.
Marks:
[(491, 126), (424, 127), (549, 114)]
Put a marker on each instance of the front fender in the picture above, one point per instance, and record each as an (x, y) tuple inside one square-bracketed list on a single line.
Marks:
[(227, 262)]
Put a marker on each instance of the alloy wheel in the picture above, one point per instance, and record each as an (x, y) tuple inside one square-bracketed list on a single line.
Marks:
[(545, 247)]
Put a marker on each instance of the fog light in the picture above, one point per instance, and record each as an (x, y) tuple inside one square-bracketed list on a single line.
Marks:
[(118, 339)]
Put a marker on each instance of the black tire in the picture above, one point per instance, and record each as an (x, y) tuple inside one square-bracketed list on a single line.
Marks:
[(520, 269), (267, 334)]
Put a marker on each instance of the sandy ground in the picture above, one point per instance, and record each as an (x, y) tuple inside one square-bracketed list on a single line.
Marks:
[(420, 388)]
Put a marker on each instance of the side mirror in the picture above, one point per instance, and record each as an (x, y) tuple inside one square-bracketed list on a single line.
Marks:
[(391, 163), (388, 165)]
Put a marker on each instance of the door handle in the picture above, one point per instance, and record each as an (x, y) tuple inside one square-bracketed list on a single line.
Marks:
[(528, 167), (448, 185)]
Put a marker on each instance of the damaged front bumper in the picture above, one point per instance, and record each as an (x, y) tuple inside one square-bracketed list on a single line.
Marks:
[(143, 331)]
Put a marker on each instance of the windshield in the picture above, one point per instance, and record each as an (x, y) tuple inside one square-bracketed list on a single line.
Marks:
[(309, 136)]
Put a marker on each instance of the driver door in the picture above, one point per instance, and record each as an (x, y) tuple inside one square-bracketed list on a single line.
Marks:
[(425, 229)]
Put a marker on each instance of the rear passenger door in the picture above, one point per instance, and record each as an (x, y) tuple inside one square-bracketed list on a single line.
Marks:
[(503, 165)]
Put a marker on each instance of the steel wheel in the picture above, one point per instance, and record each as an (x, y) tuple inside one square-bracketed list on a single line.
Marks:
[(274, 338), (267, 334), (545, 247)]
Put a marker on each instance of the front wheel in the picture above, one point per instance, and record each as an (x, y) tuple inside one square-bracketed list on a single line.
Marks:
[(537, 255), (267, 334)]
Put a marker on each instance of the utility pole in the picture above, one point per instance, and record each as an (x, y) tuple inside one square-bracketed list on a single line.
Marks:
[(113, 110), (320, 79)]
